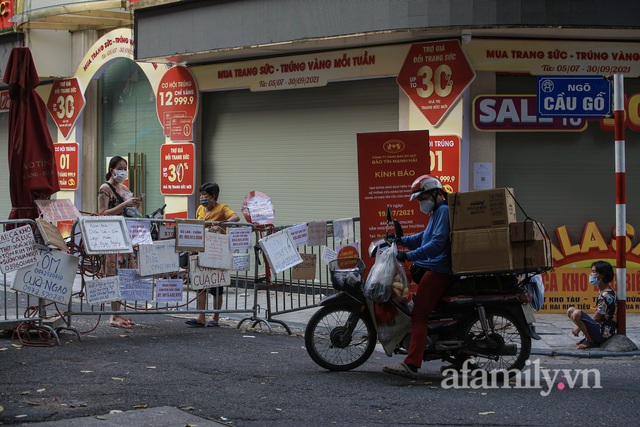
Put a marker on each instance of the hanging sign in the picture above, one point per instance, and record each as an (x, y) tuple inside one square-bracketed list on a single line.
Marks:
[(67, 160), (17, 249), (177, 103), (177, 167), (434, 76), (51, 277), (280, 250), (66, 102)]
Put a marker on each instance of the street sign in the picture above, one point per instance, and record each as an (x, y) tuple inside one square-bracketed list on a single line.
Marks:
[(582, 96), (434, 75), (66, 102)]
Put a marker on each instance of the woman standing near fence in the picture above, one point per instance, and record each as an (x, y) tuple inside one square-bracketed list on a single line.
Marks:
[(113, 198)]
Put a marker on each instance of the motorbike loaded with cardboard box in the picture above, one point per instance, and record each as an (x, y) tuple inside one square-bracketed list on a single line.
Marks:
[(485, 317)]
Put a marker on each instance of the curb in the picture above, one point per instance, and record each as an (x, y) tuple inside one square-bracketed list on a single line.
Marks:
[(584, 354)]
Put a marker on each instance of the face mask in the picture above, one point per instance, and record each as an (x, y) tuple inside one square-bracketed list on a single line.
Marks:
[(204, 202), (594, 280), (120, 175), (426, 206)]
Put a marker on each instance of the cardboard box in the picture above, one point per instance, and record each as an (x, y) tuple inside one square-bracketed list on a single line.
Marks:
[(482, 209), (531, 255), (483, 250), (526, 230), (490, 250)]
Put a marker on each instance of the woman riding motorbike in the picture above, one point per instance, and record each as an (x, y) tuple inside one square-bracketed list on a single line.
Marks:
[(430, 250)]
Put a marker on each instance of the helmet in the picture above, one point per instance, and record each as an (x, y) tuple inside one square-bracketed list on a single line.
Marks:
[(424, 183)]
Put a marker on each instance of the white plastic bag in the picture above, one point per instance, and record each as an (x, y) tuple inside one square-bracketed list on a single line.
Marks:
[(378, 284)]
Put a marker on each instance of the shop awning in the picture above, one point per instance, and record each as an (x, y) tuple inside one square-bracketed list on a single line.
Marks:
[(89, 15)]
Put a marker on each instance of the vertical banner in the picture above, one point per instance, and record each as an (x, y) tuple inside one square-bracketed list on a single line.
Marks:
[(388, 162)]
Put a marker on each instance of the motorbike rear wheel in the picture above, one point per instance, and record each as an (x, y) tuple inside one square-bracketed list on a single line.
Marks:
[(339, 338), (504, 329)]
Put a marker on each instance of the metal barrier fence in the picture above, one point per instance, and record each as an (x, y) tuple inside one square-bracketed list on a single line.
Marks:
[(248, 293)]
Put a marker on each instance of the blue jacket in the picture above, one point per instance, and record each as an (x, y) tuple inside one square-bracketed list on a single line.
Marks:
[(431, 248)]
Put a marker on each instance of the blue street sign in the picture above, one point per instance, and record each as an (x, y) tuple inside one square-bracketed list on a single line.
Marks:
[(579, 96)]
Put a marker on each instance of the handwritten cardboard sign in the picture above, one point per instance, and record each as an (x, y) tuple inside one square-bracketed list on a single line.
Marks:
[(134, 287), (317, 233), (307, 269), (169, 290), (160, 257), (190, 235), (280, 250), (216, 253), (343, 229), (105, 235), (51, 277), (328, 255), (55, 210), (139, 232), (102, 290), (51, 234), (17, 249), (239, 238), (204, 277)]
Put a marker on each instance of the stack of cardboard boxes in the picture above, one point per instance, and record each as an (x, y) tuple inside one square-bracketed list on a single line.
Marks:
[(485, 237)]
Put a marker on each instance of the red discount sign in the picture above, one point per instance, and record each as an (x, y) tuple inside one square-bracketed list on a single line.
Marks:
[(67, 160), (5, 101), (66, 102), (434, 75), (177, 166), (177, 103)]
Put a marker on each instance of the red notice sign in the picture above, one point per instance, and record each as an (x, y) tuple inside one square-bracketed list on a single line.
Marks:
[(177, 103), (177, 167), (66, 102), (434, 75), (388, 163), (67, 160)]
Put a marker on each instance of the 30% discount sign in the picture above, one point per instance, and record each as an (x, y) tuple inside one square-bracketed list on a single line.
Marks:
[(177, 169), (434, 75)]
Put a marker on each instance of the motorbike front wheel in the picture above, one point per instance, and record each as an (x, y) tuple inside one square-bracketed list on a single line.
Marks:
[(339, 338), (505, 331)]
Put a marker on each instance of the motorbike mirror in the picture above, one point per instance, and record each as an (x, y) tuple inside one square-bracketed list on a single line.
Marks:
[(389, 218), (397, 228)]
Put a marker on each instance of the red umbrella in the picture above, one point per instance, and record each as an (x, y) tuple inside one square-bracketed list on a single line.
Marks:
[(32, 165)]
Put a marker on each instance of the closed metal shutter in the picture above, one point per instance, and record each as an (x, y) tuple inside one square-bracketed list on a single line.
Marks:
[(567, 178), (297, 146)]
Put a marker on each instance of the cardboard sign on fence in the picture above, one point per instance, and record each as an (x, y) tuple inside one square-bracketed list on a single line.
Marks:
[(169, 290), (134, 287), (51, 277), (307, 269), (205, 277), (161, 257), (17, 249), (239, 238), (317, 233), (280, 250), (190, 235), (216, 253)]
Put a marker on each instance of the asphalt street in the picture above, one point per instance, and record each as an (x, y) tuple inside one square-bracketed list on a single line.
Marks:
[(163, 373)]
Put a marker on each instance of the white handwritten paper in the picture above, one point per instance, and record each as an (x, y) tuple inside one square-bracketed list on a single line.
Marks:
[(343, 229), (299, 234), (102, 290), (134, 287), (216, 253), (261, 210), (160, 257), (280, 250), (17, 249), (239, 238), (328, 255), (241, 262), (51, 277), (139, 232)]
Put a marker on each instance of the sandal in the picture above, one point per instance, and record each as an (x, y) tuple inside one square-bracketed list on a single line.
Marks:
[(585, 345), (213, 324), (194, 323), (582, 341), (401, 369)]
